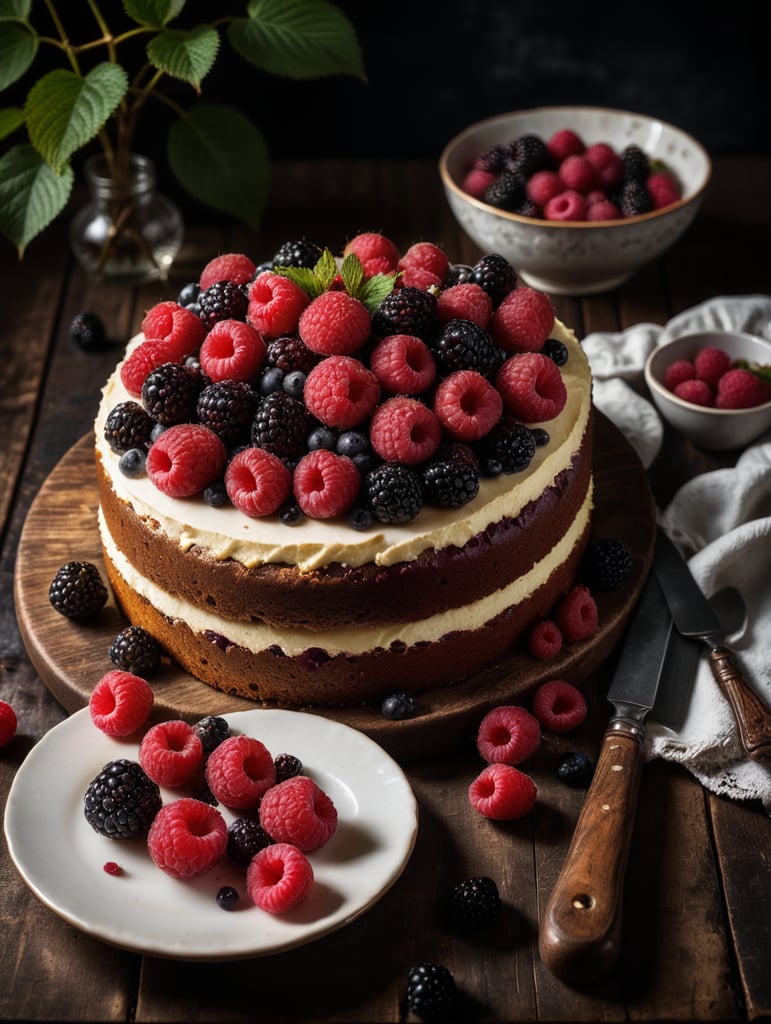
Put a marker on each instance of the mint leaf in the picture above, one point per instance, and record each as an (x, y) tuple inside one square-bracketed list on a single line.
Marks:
[(352, 273), (31, 195), (153, 13), (297, 39), (11, 118), (221, 159), (185, 55), (303, 277), (375, 289), (64, 111), (18, 47), (326, 269)]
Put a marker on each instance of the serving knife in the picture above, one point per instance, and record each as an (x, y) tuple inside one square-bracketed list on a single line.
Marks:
[(581, 927), (695, 618)]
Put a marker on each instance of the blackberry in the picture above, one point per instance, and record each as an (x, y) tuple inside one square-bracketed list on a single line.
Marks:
[(556, 351), (464, 345), (132, 463), (246, 837), (188, 295), (287, 766), (134, 650), (473, 901), (636, 164), (86, 330), (394, 492), (606, 564), (527, 208), (528, 154), (227, 408), (431, 991), (508, 448), (227, 897), (635, 199), (280, 425), (170, 394), (290, 353), (301, 253), (205, 795), (121, 801), (496, 275), (492, 160), (450, 482), (128, 426), (397, 706), (575, 770), (506, 192), (223, 300), (211, 731), (406, 311), (77, 590)]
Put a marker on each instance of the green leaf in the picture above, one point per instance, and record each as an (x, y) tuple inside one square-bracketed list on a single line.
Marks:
[(297, 39), (352, 273), (221, 159), (11, 118), (18, 47), (64, 111), (303, 277), (375, 289), (186, 55), (31, 194), (15, 9), (153, 13)]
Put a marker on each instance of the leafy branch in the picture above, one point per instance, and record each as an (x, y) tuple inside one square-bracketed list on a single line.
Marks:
[(215, 152)]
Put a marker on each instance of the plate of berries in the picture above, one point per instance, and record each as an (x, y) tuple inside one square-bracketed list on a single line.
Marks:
[(237, 836)]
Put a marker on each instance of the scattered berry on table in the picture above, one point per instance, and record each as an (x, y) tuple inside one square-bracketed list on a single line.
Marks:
[(227, 897), (502, 792), (474, 901), (187, 838), (545, 639), (246, 837), (120, 703), (110, 867), (211, 731), (135, 650), (576, 770), (171, 753), (185, 459), (279, 877), (8, 723), (398, 706), (121, 801), (559, 706), (576, 614), (431, 991), (508, 734), (239, 771), (77, 590), (299, 812), (86, 330), (287, 766), (606, 564)]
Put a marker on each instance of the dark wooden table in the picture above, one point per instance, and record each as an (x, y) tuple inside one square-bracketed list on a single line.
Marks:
[(697, 916)]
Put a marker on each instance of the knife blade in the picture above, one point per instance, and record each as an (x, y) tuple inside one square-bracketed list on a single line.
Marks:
[(695, 618), (580, 932)]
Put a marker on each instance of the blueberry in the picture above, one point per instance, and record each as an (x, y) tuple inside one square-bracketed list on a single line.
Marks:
[(322, 437), (132, 462), (294, 383), (398, 705), (156, 432), (360, 518), (352, 442), (227, 897), (540, 436), (291, 514), (189, 293), (272, 380), (556, 351), (215, 495)]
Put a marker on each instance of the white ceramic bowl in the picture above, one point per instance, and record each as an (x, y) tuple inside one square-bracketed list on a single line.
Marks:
[(713, 429), (572, 257)]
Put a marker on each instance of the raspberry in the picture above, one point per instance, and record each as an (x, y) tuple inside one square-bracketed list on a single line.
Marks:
[(563, 143), (170, 393), (341, 392), (677, 372), (406, 311), (502, 792), (170, 753), (523, 321), (663, 189), (179, 328), (403, 364), (279, 877), (8, 723), (508, 735), (187, 838), (578, 174), (128, 425), (231, 266), (77, 591), (543, 186), (232, 350), (246, 837), (466, 301), (394, 492), (576, 614), (508, 448), (603, 209), (608, 165), (740, 389), (404, 430), (134, 650), (545, 640), (710, 363), (299, 812), (532, 387), (559, 706), (450, 480), (227, 408), (575, 770), (87, 331), (146, 357), (120, 703), (425, 256), (185, 459), (275, 304), (280, 425), (121, 801), (257, 482), (335, 324), (431, 991), (239, 771), (568, 205), (467, 405), (606, 564), (495, 275), (697, 392), (370, 245), (474, 901), (418, 277), (463, 345), (325, 484), (477, 181)]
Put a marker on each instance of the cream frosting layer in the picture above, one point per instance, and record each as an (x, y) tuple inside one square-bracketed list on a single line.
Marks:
[(351, 639), (226, 533)]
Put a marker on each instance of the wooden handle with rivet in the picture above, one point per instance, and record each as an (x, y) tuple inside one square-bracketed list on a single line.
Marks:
[(752, 715), (581, 928)]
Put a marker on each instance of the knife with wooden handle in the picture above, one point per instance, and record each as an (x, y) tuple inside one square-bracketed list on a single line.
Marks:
[(580, 931)]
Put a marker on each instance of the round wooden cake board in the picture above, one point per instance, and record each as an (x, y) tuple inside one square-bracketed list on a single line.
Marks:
[(71, 657)]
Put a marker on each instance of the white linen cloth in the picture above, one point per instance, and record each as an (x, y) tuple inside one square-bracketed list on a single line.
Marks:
[(721, 522)]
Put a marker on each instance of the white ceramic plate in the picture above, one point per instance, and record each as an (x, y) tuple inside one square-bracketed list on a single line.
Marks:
[(61, 858)]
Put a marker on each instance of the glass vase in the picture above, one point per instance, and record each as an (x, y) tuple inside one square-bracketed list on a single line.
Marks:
[(127, 233)]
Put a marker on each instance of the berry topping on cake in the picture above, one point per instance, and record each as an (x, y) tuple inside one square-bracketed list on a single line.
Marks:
[(121, 802), (576, 614), (120, 703), (170, 393), (231, 266), (223, 300), (180, 330), (508, 448), (279, 878), (451, 479), (406, 311), (395, 493), (77, 590), (467, 405), (275, 304), (128, 425), (134, 650), (280, 425), (232, 350), (404, 430), (403, 364), (187, 838), (532, 387), (8, 723), (227, 408), (171, 753), (239, 771), (335, 324), (341, 392), (325, 484), (257, 482), (374, 251), (523, 320), (467, 301), (559, 706), (502, 792), (298, 253), (184, 459), (474, 901), (299, 812), (508, 735), (463, 345), (431, 991)]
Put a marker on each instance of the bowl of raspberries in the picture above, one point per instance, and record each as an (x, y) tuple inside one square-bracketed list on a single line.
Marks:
[(713, 387), (576, 198)]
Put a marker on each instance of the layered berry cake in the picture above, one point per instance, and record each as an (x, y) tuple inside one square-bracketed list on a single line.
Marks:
[(327, 477)]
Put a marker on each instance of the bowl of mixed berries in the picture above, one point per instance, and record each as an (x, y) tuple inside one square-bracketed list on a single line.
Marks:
[(713, 387), (576, 198)]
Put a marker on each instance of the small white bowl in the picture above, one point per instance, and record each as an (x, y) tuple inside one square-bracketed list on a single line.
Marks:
[(714, 429), (576, 257)]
